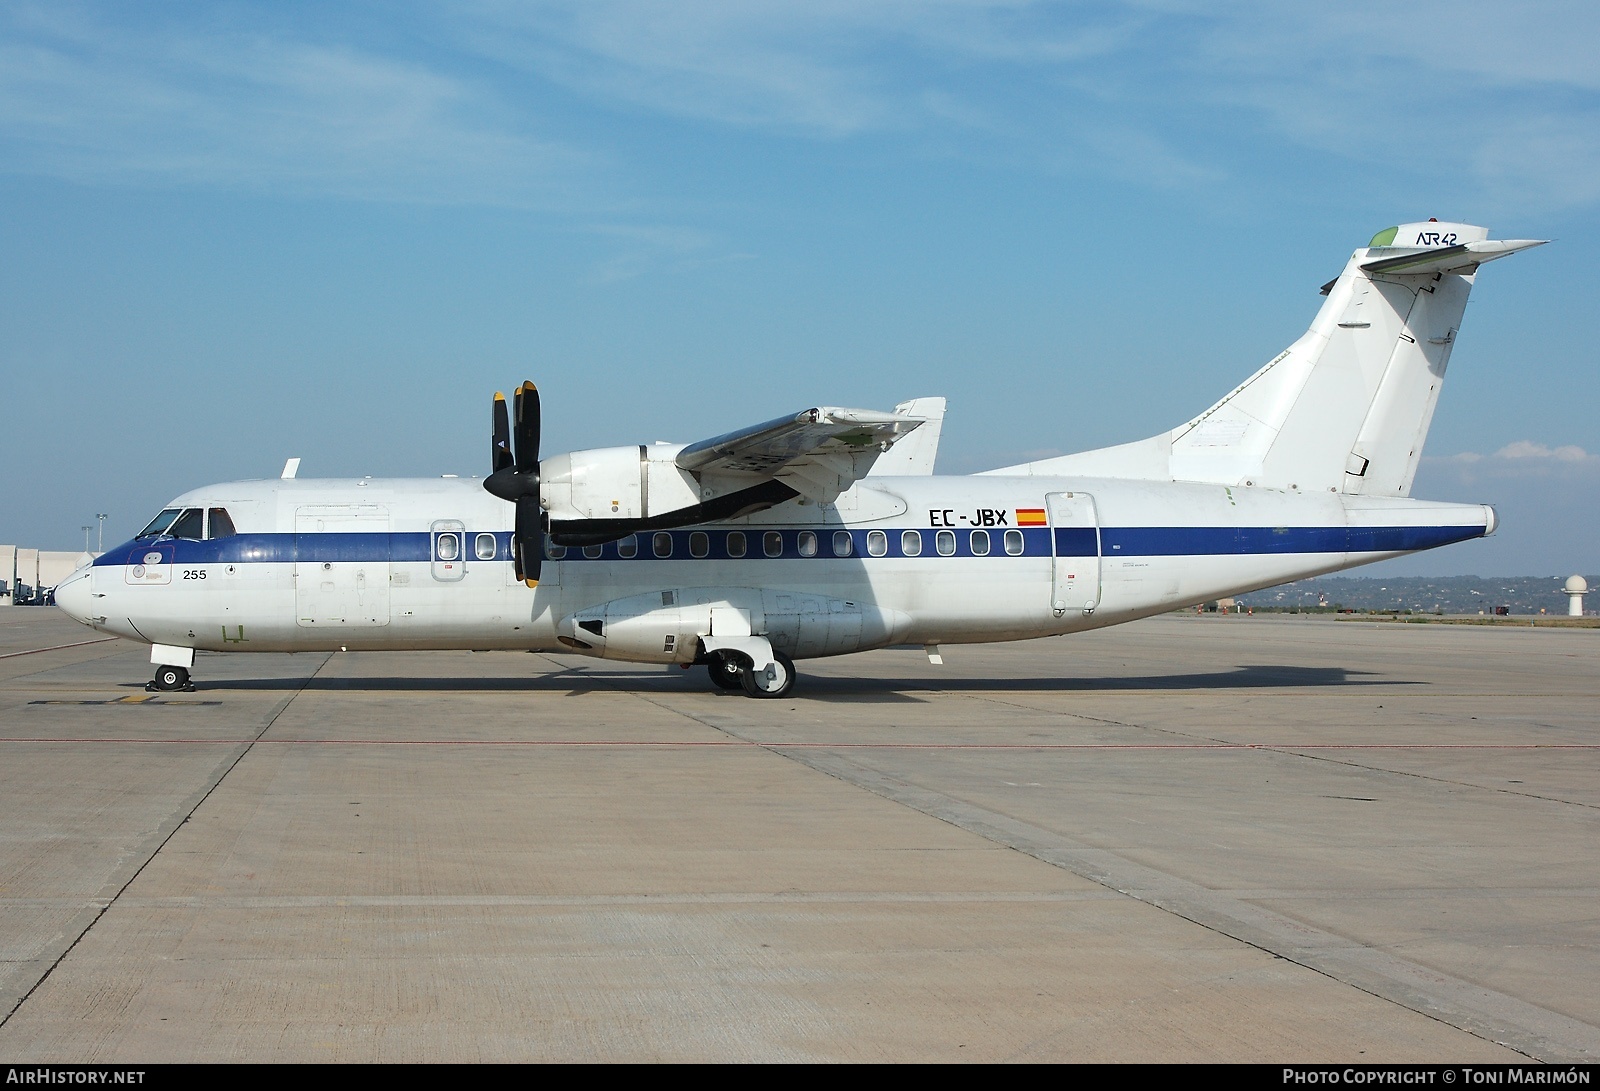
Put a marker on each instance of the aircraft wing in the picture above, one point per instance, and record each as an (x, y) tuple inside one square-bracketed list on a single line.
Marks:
[(818, 452)]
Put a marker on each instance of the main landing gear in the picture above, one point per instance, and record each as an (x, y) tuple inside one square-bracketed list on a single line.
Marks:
[(170, 680), (732, 672)]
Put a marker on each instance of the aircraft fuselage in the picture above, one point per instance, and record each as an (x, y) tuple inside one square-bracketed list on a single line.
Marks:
[(321, 565)]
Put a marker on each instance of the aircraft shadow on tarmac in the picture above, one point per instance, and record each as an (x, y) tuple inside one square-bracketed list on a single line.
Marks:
[(576, 681)]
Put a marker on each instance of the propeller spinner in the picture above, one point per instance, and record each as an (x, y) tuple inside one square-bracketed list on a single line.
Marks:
[(514, 476)]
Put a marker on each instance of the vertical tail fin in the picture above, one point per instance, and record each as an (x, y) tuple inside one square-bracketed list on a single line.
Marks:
[(1346, 407)]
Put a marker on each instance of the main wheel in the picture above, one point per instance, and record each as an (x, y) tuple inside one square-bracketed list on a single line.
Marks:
[(724, 671), (776, 681), (171, 678)]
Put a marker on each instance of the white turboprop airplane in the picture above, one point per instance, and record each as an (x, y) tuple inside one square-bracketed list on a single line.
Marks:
[(825, 532)]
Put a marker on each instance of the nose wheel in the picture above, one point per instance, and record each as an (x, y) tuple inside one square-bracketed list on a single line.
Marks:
[(170, 680)]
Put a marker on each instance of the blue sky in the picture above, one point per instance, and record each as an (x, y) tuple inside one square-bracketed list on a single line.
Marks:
[(236, 232)]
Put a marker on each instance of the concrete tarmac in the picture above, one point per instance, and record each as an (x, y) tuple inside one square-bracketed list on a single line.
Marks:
[(1191, 838)]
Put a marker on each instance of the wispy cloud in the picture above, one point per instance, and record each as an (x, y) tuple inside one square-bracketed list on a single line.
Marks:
[(99, 102), (1525, 452), (827, 67), (1475, 101), (1490, 101), (638, 250), (1521, 460), (1496, 102)]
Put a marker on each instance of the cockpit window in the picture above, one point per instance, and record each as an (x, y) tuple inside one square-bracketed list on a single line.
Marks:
[(191, 524), (158, 526), (218, 524)]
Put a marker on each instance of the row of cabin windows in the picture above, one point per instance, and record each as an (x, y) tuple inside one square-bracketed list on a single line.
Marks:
[(196, 524), (806, 544), (447, 546), (210, 523)]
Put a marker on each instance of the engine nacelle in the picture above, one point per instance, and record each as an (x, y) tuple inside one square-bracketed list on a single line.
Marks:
[(635, 482), (669, 626)]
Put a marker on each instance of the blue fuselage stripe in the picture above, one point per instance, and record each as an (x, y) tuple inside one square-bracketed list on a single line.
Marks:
[(808, 544)]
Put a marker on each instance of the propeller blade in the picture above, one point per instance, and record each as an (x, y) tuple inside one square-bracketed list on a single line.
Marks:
[(514, 476), (528, 430), (514, 472), (501, 457), (527, 542)]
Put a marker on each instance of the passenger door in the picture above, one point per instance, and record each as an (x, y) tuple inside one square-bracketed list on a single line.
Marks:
[(1075, 542)]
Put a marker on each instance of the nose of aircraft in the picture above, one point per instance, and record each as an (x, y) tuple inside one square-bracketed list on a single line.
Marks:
[(74, 597)]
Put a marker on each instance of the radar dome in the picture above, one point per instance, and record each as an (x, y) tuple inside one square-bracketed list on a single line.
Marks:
[(1577, 584)]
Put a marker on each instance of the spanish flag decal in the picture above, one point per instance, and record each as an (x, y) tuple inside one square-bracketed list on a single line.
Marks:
[(1030, 517)]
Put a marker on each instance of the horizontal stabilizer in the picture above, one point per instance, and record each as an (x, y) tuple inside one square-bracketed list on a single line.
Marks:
[(1461, 258)]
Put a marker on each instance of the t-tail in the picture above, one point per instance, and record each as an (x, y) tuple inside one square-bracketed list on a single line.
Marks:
[(1344, 409)]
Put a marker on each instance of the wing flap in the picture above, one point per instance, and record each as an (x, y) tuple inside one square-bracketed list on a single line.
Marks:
[(819, 452)]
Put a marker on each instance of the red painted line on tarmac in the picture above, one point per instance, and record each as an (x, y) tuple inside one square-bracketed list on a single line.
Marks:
[(58, 647), (619, 744)]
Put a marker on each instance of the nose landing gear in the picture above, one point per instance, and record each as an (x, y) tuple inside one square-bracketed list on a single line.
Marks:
[(170, 680)]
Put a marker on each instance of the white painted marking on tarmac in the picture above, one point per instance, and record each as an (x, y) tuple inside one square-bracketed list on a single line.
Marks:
[(58, 647)]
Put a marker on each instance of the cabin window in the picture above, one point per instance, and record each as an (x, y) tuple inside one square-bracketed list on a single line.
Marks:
[(736, 543), (772, 543), (808, 543), (945, 543), (662, 544), (218, 525), (158, 526), (554, 552), (485, 546), (843, 544), (911, 543), (699, 544), (593, 551), (449, 549), (191, 524), (980, 543), (628, 547), (1014, 542), (877, 543)]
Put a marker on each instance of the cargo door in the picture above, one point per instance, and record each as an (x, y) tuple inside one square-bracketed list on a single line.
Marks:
[(341, 566), (1075, 541)]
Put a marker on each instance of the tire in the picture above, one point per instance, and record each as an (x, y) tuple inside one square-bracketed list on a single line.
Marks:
[(724, 672), (171, 678), (780, 682)]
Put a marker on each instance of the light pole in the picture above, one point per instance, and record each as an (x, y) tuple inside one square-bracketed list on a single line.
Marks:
[(102, 541), (86, 530)]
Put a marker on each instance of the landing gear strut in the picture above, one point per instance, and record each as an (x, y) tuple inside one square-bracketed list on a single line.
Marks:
[(170, 680)]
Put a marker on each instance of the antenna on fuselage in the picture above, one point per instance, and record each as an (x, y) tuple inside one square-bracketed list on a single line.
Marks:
[(290, 468)]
